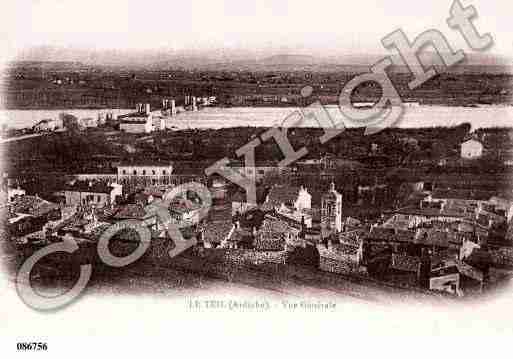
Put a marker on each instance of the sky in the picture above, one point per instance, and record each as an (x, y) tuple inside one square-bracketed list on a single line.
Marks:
[(318, 27)]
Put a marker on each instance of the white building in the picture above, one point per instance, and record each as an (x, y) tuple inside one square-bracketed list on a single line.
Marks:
[(151, 172), (291, 202), (140, 121), (471, 149), (331, 212), (259, 171), (296, 198), (13, 193)]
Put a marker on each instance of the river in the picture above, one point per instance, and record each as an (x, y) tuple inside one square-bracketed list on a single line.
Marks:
[(216, 117)]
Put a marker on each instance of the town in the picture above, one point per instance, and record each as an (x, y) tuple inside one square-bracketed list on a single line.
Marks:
[(422, 210)]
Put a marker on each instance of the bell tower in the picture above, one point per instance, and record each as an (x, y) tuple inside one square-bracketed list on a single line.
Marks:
[(331, 212)]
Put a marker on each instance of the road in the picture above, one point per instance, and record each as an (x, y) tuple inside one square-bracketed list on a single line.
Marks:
[(19, 138)]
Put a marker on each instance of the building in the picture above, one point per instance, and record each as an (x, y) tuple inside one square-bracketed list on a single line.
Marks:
[(48, 125), (95, 193), (185, 211), (216, 232), (331, 212), (291, 197), (168, 108), (88, 122), (138, 212), (456, 277), (293, 203), (145, 172), (240, 204), (275, 234), (140, 121), (471, 149), (342, 252), (260, 171), (13, 193), (158, 123), (29, 214)]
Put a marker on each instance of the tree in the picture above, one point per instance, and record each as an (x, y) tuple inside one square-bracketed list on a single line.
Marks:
[(69, 122)]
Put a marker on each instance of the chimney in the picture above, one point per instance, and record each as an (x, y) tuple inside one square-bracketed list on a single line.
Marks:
[(173, 107)]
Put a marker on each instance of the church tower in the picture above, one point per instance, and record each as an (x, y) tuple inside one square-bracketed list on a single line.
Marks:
[(331, 212)]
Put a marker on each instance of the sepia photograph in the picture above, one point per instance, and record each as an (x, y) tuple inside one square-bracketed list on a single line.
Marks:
[(205, 177)]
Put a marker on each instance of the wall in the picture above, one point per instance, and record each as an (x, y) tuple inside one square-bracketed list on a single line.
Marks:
[(75, 198), (136, 127)]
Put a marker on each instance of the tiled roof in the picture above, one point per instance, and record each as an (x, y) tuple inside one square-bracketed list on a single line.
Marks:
[(344, 248), (289, 220), (273, 227), (240, 235), (353, 238), (405, 263), (88, 186), (32, 205), (382, 233), (267, 207), (463, 194), (156, 192), (130, 211), (283, 194), (182, 205), (216, 231), (430, 212), (433, 238), (466, 269)]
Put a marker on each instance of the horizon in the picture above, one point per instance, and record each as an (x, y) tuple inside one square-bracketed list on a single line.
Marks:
[(227, 29)]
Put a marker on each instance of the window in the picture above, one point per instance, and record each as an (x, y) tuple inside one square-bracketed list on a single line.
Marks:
[(164, 172), (153, 172), (99, 199), (144, 172), (135, 172), (124, 172)]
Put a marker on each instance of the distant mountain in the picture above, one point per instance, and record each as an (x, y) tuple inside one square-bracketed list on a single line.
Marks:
[(240, 60), (289, 60)]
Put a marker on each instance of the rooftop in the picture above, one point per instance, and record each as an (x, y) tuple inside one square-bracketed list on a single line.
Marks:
[(183, 205), (88, 186), (145, 163), (283, 194), (430, 212), (134, 115), (130, 211), (32, 205), (216, 231), (463, 194)]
